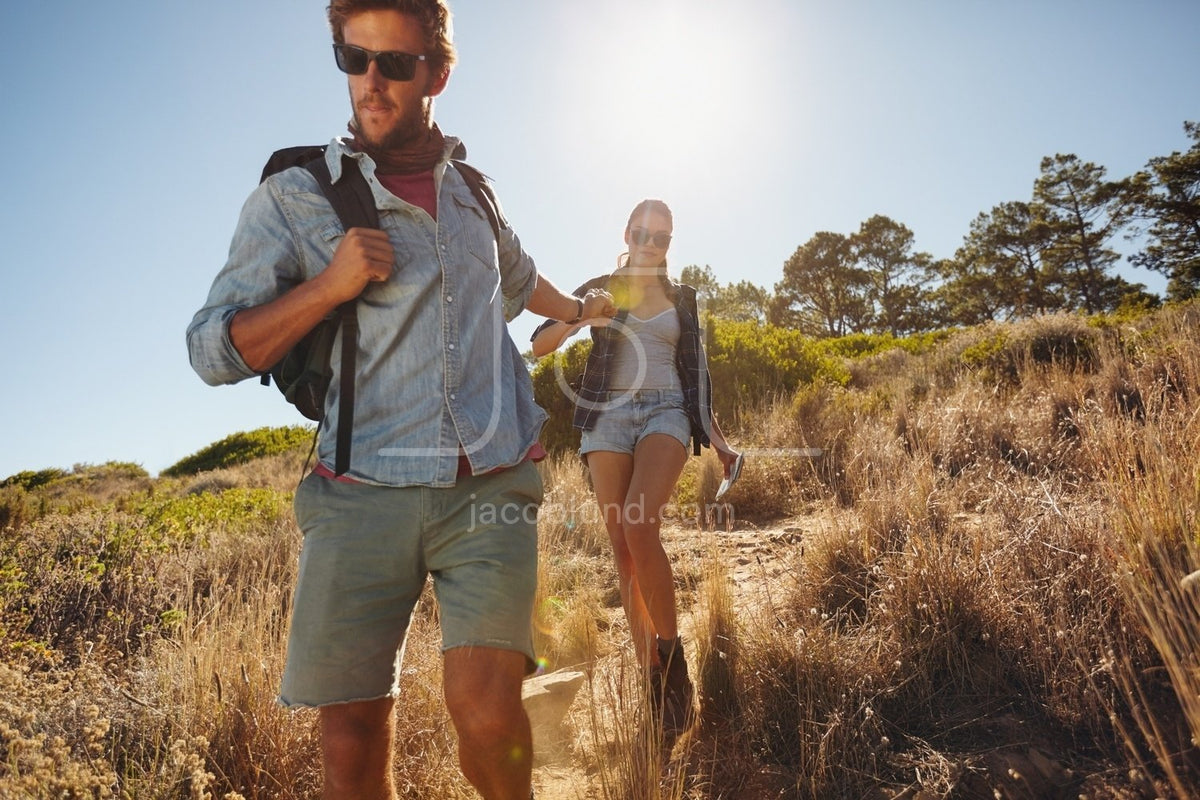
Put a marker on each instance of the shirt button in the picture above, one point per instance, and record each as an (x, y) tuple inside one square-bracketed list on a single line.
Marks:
[(449, 298), (450, 346), (453, 397)]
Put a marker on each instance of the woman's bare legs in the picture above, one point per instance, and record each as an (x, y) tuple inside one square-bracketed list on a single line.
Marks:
[(611, 473), (632, 492)]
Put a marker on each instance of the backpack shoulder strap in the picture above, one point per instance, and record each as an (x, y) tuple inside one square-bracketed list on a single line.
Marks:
[(354, 204), (351, 198), (477, 183)]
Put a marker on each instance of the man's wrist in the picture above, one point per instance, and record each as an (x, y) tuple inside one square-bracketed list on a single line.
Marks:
[(578, 315)]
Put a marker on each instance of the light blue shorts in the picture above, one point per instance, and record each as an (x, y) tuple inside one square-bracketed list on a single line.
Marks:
[(366, 555), (629, 417)]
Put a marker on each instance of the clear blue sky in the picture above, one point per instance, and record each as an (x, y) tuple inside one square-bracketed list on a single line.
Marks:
[(136, 130)]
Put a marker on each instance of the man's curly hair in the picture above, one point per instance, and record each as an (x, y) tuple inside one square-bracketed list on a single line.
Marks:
[(433, 15)]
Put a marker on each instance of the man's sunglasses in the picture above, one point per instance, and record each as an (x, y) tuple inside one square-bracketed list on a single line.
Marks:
[(393, 64), (643, 237)]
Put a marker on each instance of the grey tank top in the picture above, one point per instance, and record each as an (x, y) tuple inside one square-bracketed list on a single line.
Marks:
[(645, 353)]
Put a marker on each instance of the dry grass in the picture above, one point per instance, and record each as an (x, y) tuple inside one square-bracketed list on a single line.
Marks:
[(988, 588)]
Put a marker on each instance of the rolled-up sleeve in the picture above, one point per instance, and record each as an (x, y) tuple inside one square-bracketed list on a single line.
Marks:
[(518, 273), (262, 265), (210, 349)]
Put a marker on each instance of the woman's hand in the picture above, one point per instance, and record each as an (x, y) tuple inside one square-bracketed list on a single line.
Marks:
[(725, 453), (726, 456)]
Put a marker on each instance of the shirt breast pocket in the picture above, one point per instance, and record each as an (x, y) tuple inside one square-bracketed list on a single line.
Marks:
[(331, 234), (401, 284), (320, 239), (476, 236)]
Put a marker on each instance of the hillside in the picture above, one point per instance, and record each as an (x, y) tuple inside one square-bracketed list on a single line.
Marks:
[(982, 586)]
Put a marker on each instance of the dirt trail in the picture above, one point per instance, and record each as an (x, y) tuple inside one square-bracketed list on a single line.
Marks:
[(756, 560)]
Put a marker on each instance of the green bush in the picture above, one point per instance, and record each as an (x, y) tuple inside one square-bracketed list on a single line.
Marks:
[(749, 361), (862, 345), (242, 447), (32, 479), (555, 381), (195, 517), (1002, 352), (30, 495)]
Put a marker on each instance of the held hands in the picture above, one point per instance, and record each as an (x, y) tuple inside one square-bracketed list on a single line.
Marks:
[(598, 307), (364, 256)]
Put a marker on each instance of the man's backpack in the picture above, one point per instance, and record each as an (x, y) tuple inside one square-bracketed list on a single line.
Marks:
[(304, 373)]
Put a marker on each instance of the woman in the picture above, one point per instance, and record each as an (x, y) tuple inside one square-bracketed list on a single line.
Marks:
[(645, 396)]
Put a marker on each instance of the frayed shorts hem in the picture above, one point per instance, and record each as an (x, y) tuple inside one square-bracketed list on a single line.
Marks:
[(296, 705)]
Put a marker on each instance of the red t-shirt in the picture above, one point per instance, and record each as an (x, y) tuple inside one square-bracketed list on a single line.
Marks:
[(417, 189)]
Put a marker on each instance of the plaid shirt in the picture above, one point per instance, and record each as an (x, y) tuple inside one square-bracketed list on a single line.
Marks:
[(689, 361)]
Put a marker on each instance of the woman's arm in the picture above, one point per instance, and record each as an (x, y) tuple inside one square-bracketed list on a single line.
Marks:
[(549, 338), (595, 307), (725, 453)]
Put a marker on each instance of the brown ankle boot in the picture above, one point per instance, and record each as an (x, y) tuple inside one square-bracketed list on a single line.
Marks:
[(677, 695)]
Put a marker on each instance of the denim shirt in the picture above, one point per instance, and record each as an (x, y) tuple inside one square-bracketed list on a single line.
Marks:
[(438, 373)]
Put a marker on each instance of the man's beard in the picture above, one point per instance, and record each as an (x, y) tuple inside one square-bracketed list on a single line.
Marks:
[(412, 128)]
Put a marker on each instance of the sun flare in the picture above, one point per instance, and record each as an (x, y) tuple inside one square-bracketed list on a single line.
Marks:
[(669, 85)]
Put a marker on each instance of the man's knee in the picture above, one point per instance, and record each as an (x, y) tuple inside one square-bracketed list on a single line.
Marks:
[(483, 691), (356, 737)]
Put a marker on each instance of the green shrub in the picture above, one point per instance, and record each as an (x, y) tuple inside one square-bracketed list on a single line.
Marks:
[(1003, 352), (194, 517), (555, 381), (32, 479), (242, 447), (29, 495), (126, 470), (749, 361), (990, 351)]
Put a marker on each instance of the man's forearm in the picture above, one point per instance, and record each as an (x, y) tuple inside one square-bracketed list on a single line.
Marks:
[(548, 300), (263, 334)]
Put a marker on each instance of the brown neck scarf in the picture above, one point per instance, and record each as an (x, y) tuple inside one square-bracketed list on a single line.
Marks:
[(415, 158)]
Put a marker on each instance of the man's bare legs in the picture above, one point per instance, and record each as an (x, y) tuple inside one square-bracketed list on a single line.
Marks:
[(356, 746), (483, 694)]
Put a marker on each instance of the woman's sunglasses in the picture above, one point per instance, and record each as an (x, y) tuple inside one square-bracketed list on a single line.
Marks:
[(393, 64), (643, 237)]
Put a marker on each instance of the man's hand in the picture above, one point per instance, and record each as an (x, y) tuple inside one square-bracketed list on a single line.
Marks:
[(598, 303), (364, 256)]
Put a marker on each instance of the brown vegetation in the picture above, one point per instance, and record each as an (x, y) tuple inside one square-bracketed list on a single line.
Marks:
[(984, 586)]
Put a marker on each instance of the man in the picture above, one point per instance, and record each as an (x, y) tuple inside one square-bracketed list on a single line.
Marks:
[(444, 419)]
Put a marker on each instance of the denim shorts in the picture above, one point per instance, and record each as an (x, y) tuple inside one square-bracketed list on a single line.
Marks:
[(628, 417), (367, 552)]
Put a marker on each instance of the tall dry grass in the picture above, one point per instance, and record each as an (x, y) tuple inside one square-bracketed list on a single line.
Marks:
[(985, 585)]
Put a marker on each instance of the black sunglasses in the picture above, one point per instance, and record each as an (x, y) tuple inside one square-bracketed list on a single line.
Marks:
[(393, 64), (643, 237)]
